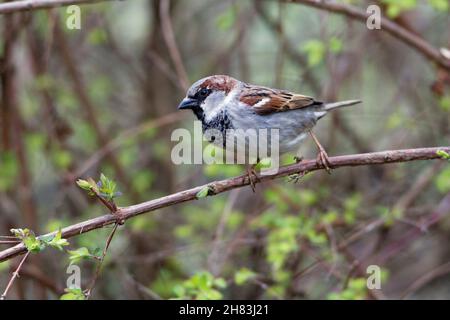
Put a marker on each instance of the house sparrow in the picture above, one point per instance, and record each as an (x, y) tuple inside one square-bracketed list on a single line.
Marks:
[(221, 102)]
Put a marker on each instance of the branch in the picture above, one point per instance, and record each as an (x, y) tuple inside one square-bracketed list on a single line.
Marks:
[(217, 187), (25, 5), (389, 26)]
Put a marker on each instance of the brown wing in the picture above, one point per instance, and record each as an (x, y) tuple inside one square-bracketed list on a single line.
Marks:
[(266, 100)]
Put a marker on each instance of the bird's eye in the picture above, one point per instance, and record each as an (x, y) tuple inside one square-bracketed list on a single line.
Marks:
[(203, 93)]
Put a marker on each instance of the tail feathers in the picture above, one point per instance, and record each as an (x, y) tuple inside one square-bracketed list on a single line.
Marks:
[(330, 106)]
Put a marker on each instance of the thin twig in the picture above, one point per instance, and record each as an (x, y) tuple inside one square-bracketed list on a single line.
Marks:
[(102, 258), (14, 276), (169, 38), (111, 205), (27, 5), (9, 241)]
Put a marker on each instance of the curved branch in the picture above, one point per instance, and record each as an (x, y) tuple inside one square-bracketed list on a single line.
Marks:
[(25, 5), (397, 31), (217, 187)]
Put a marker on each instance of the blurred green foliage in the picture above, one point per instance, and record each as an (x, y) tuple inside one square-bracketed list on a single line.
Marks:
[(8, 170), (201, 286)]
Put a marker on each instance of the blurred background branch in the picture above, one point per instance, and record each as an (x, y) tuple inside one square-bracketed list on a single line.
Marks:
[(26, 5)]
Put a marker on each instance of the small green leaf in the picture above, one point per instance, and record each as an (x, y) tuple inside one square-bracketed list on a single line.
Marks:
[(336, 45), (396, 7), (104, 180), (107, 187), (33, 244), (443, 154), (243, 275), (184, 231), (444, 103), (442, 181), (62, 159), (78, 255), (330, 217), (47, 238), (4, 266), (83, 184), (179, 291), (220, 283), (97, 36), (227, 19), (8, 170), (389, 215), (20, 233), (73, 294), (204, 192), (315, 51), (58, 242), (28, 238)]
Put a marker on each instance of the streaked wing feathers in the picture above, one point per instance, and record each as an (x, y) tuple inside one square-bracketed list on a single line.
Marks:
[(266, 100)]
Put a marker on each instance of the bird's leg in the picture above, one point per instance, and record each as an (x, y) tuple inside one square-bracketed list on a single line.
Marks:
[(322, 157), (252, 175)]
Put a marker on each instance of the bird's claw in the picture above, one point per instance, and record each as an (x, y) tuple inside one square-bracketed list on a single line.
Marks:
[(253, 178), (295, 177), (322, 157), (322, 160)]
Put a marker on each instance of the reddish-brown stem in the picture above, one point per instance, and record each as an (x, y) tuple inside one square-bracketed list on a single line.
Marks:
[(108, 204)]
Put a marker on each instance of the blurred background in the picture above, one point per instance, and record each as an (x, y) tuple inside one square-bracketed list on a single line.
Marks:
[(102, 99)]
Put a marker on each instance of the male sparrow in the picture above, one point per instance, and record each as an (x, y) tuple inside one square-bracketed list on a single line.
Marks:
[(221, 102)]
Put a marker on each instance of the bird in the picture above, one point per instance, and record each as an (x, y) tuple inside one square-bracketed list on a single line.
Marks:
[(222, 102)]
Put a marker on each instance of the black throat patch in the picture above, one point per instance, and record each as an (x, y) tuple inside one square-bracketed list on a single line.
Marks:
[(221, 122)]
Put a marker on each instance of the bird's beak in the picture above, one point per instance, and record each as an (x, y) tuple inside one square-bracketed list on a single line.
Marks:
[(188, 103)]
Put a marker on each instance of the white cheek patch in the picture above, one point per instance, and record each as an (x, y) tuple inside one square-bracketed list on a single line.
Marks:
[(211, 109), (213, 105)]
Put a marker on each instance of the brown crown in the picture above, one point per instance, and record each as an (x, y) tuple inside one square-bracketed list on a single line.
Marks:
[(220, 83)]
